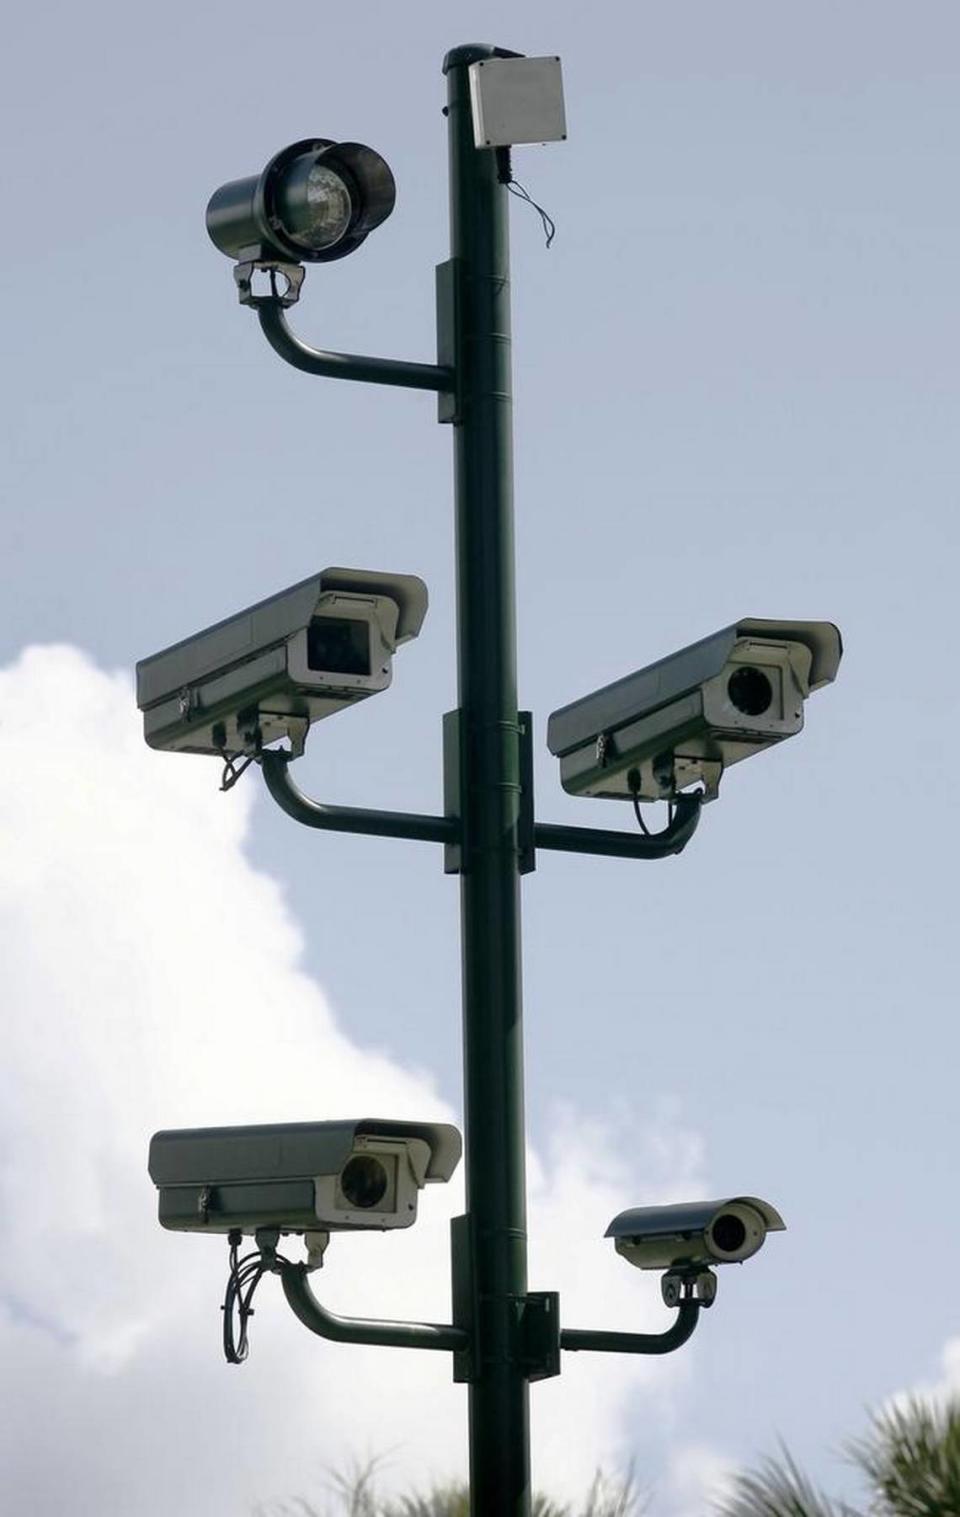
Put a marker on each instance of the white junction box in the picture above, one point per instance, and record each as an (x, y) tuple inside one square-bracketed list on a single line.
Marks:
[(517, 100)]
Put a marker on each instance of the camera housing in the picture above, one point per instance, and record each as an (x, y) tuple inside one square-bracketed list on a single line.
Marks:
[(270, 671), (686, 718), (694, 1234), (299, 1177)]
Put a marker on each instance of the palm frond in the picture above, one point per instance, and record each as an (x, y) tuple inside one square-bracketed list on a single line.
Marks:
[(450, 1500), (911, 1456), (778, 1488), (356, 1496), (618, 1498)]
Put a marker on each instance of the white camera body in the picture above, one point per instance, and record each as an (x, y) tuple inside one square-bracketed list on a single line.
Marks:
[(686, 718), (299, 1177), (270, 671), (694, 1234)]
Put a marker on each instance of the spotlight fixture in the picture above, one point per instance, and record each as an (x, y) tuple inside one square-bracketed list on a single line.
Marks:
[(315, 201)]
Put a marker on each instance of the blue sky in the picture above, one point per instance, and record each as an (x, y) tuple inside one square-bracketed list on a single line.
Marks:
[(736, 386)]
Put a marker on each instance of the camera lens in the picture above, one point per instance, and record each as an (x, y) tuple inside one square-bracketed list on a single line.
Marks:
[(338, 645), (729, 1233), (363, 1181), (750, 690)]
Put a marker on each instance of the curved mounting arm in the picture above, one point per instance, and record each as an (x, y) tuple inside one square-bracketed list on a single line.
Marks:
[(625, 845), (636, 1343), (363, 1329), (423, 828), (379, 371), (390, 824)]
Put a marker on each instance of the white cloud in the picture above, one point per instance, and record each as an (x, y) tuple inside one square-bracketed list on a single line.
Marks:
[(698, 1478), (152, 978), (949, 1384), (944, 1387)]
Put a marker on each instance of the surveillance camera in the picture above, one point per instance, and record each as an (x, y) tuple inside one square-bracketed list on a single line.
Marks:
[(299, 1177), (684, 719), (695, 1234), (271, 670)]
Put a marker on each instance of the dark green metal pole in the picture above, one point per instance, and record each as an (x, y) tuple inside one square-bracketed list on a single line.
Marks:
[(489, 731)]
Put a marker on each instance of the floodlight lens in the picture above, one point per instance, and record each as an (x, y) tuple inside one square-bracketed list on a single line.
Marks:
[(363, 1181), (750, 690), (729, 1233), (315, 204)]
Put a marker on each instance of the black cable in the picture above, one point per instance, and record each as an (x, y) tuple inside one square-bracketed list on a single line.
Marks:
[(238, 1300), (639, 815), (505, 176), (231, 773), (549, 225), (238, 1306), (245, 1275), (633, 780)]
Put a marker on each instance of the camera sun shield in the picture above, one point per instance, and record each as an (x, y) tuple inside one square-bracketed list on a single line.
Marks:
[(270, 671), (694, 1234), (686, 718)]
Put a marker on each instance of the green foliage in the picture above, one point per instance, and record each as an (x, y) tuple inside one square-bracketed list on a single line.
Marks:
[(910, 1459), (777, 1488), (355, 1496), (453, 1500)]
